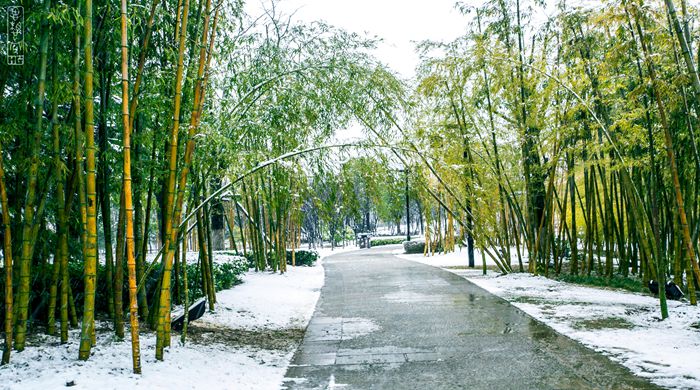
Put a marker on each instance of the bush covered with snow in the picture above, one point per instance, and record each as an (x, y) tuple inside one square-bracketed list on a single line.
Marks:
[(228, 270), (413, 246), (248, 257)]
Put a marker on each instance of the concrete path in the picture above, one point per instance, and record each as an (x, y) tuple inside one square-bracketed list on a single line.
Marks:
[(386, 323)]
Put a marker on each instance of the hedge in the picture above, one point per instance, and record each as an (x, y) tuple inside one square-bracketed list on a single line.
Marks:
[(386, 241), (303, 257)]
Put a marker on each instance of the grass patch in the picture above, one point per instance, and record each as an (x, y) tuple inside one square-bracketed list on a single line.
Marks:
[(477, 267), (629, 284), (604, 323)]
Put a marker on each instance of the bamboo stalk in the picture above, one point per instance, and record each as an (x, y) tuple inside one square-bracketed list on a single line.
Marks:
[(88, 328), (164, 302), (7, 263), (29, 221), (60, 202), (128, 204)]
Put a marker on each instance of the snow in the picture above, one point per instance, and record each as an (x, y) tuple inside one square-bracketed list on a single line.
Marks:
[(625, 326), (193, 257), (354, 327), (270, 300), (265, 302), (215, 366)]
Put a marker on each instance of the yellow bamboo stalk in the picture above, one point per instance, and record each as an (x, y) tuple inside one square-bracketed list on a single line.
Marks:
[(169, 249), (128, 202)]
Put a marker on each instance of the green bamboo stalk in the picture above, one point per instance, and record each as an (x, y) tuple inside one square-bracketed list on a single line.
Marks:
[(7, 263), (29, 221), (60, 203)]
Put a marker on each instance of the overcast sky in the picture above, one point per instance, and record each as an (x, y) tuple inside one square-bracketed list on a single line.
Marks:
[(397, 22)]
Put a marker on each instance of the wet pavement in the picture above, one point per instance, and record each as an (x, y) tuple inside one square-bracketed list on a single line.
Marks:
[(386, 323)]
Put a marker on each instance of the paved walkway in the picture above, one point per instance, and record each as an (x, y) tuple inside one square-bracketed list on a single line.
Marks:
[(386, 323)]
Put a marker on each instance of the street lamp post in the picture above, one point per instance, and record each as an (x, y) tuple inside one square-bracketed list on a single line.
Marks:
[(408, 213)]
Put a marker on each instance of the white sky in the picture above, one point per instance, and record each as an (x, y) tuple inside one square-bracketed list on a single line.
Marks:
[(397, 22)]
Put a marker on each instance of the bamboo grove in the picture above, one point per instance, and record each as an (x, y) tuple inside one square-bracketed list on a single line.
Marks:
[(105, 190), (578, 153), (563, 146)]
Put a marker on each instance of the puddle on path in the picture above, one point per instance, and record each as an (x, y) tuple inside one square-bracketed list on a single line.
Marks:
[(405, 296)]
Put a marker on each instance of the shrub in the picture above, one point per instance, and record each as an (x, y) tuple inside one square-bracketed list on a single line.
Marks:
[(413, 246), (249, 256), (386, 241), (227, 272), (303, 257)]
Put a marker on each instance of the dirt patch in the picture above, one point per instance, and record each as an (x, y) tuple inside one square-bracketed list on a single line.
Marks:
[(547, 303), (279, 339), (604, 323)]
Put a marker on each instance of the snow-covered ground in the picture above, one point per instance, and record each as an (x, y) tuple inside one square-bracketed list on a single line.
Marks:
[(623, 325), (266, 306)]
